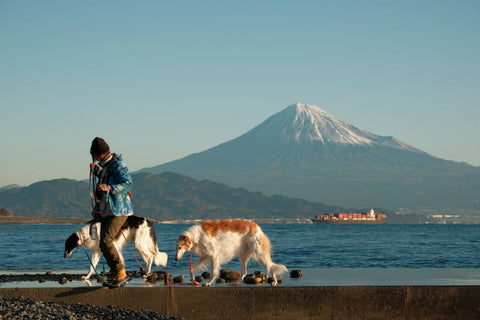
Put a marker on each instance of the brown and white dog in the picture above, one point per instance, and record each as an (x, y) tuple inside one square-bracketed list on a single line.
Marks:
[(136, 229), (221, 241)]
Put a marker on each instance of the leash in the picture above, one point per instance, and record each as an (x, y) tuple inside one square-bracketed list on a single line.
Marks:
[(133, 252), (91, 263), (195, 283), (92, 200)]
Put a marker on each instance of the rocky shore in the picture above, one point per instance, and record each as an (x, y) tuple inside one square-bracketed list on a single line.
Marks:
[(47, 276), (61, 278), (25, 308)]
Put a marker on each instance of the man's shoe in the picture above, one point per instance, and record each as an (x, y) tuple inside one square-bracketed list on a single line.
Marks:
[(119, 280), (109, 279)]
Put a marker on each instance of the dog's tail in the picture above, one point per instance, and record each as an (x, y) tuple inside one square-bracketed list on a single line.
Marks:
[(277, 269), (160, 258)]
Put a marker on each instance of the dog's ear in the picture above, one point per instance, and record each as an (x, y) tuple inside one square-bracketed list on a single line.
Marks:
[(185, 240), (71, 243)]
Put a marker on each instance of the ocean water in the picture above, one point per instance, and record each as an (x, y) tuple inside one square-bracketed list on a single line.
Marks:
[(40, 247)]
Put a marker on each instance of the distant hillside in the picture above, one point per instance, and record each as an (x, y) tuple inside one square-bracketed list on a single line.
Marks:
[(55, 198), (10, 186), (168, 196)]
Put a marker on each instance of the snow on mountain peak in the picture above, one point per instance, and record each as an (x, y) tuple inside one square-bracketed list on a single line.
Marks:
[(311, 123), (305, 123)]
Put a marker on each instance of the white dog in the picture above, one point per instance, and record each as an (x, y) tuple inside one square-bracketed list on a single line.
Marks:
[(221, 241), (136, 229)]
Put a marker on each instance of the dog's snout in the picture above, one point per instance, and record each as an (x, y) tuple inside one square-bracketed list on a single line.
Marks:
[(179, 254)]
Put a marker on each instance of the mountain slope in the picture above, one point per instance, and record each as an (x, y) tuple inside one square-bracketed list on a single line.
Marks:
[(10, 186), (303, 151), (168, 196), (54, 198)]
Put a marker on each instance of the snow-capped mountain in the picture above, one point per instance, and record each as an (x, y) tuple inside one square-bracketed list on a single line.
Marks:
[(305, 152), (303, 123)]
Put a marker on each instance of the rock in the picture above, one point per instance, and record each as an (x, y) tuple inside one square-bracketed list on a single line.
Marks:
[(206, 275), (199, 279), (261, 275), (296, 274), (142, 272), (62, 280), (224, 272), (166, 277), (179, 279), (138, 274), (279, 279), (252, 279), (229, 275), (152, 278), (220, 280)]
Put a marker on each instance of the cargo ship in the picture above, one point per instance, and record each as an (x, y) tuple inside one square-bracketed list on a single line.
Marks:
[(351, 218)]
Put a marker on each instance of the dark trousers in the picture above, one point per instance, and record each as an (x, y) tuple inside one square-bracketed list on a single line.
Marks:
[(110, 229)]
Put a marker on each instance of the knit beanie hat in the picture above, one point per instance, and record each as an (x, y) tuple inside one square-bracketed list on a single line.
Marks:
[(99, 146)]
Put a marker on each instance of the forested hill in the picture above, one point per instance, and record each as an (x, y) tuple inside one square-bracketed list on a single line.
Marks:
[(167, 196)]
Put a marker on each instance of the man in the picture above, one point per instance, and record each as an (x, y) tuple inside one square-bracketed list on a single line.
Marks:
[(112, 204)]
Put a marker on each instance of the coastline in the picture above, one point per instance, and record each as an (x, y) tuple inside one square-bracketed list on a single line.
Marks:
[(40, 220), (57, 220)]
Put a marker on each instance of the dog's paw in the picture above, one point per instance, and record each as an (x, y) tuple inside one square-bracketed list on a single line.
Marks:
[(206, 285)]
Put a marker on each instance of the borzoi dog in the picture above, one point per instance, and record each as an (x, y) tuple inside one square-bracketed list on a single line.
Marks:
[(221, 241), (136, 229)]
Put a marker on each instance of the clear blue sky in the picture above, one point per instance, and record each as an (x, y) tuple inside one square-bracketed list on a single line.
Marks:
[(163, 79)]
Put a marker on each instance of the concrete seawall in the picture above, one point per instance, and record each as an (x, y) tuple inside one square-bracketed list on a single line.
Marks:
[(327, 302)]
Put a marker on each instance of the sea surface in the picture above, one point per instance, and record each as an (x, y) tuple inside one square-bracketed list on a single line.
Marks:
[(297, 246)]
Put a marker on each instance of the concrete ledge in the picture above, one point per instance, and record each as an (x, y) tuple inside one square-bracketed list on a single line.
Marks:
[(328, 302)]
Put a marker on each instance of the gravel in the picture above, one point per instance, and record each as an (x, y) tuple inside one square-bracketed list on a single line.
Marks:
[(25, 308)]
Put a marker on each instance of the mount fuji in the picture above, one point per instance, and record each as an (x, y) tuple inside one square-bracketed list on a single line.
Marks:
[(303, 151)]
